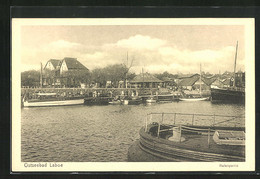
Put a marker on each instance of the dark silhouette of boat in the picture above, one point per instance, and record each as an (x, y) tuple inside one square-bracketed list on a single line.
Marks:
[(189, 143), (233, 94)]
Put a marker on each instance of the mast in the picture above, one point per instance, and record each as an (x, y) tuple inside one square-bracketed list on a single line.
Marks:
[(127, 70), (41, 76), (200, 79), (234, 84), (143, 76)]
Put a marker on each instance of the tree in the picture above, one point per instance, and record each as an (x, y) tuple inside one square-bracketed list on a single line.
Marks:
[(30, 78), (76, 77), (113, 73), (98, 76)]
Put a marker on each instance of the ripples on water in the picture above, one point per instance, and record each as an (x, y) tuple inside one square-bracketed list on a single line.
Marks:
[(96, 133)]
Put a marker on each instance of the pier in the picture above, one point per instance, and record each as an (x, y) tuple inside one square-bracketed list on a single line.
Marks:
[(90, 92)]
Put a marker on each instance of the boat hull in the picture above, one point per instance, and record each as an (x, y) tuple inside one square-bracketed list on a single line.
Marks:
[(115, 102), (53, 103), (97, 101), (193, 99), (227, 95), (150, 101), (165, 150)]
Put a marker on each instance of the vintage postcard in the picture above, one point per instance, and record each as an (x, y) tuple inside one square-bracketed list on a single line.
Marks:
[(113, 94)]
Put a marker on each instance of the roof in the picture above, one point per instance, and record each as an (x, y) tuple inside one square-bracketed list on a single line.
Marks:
[(167, 79), (209, 81), (145, 77), (226, 81), (54, 62), (182, 76), (73, 63), (189, 81)]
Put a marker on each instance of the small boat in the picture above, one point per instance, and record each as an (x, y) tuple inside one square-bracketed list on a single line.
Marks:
[(50, 99), (151, 100), (125, 101), (188, 143), (115, 102), (194, 99)]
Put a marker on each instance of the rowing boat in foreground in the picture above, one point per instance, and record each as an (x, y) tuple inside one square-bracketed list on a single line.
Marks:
[(188, 143), (50, 99)]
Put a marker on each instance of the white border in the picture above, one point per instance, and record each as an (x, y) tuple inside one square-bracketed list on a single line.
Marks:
[(248, 165)]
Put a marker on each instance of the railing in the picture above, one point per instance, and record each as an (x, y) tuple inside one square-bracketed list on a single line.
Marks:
[(193, 119), (214, 119)]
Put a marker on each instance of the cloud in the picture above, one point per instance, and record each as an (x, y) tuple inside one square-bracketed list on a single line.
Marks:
[(152, 54), (141, 42), (61, 44)]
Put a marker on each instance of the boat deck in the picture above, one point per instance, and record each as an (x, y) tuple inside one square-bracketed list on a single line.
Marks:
[(194, 148)]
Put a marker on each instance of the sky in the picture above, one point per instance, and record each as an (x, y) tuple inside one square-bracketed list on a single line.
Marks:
[(153, 48)]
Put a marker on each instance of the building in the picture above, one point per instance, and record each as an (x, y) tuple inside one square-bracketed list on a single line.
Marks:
[(168, 82), (63, 73), (145, 80), (70, 64), (193, 82), (217, 83), (52, 64), (188, 82)]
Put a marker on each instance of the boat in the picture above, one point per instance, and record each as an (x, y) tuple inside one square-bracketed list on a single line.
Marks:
[(175, 142), (151, 99), (98, 100), (194, 98), (134, 100), (234, 93), (228, 95), (51, 99), (115, 102)]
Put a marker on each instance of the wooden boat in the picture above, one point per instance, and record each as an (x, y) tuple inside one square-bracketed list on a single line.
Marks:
[(50, 99), (187, 143), (194, 99)]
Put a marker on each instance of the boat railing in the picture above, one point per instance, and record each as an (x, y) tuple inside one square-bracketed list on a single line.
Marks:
[(193, 119), (180, 127)]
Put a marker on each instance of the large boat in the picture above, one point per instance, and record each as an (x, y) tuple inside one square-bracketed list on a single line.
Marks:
[(233, 94), (51, 99), (162, 142)]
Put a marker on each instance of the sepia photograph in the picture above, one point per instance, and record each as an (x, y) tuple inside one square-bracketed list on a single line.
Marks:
[(133, 94)]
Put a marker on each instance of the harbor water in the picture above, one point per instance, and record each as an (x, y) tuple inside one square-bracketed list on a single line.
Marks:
[(98, 133)]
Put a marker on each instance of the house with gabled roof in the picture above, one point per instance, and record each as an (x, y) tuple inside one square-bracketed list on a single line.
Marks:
[(145, 80), (52, 64), (55, 71), (193, 82), (71, 64), (189, 81)]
